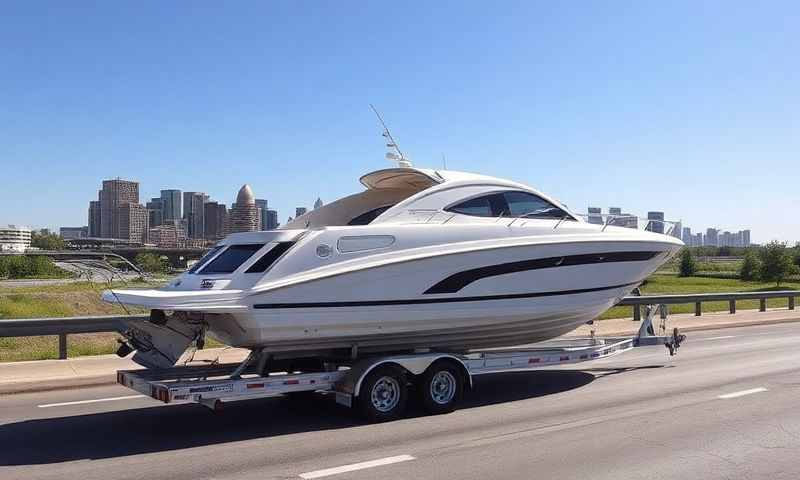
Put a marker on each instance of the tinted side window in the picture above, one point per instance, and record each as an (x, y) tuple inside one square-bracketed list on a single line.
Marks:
[(523, 204), (205, 259), (232, 258), (368, 217), (487, 206), (269, 258)]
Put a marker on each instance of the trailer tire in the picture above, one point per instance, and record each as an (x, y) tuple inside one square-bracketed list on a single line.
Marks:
[(441, 387), (383, 394)]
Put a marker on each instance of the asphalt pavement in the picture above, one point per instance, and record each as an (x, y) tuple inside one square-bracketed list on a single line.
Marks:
[(724, 408)]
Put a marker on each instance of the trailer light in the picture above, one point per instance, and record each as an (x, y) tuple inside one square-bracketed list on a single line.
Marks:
[(292, 382), (255, 385)]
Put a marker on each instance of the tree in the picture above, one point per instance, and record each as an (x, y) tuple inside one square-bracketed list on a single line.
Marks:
[(776, 263), (688, 266), (750, 266), (150, 262), (47, 241)]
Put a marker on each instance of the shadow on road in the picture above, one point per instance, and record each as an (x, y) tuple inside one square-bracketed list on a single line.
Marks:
[(173, 427)]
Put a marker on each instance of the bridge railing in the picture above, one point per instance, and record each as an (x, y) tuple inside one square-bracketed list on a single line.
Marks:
[(62, 327)]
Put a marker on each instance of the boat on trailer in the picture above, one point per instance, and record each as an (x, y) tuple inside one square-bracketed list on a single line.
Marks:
[(421, 258)]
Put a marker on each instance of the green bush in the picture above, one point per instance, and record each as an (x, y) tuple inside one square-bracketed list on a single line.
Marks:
[(688, 267), (24, 266), (776, 262), (47, 241), (152, 263), (750, 266)]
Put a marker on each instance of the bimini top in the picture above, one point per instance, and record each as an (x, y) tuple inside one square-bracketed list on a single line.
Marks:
[(392, 194)]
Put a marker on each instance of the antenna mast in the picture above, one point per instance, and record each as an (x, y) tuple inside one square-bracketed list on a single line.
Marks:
[(394, 153)]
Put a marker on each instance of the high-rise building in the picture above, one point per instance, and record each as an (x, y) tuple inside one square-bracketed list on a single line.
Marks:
[(655, 222), (300, 211), (216, 216), (677, 229), (94, 219), (115, 193), (318, 203), (194, 214), (595, 215), (156, 211), (262, 213), (133, 223), (687, 237), (745, 238), (272, 220), (171, 205), (71, 233), (243, 216), (712, 237), (698, 240)]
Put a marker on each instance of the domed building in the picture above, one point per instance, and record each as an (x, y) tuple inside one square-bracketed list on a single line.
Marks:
[(243, 216)]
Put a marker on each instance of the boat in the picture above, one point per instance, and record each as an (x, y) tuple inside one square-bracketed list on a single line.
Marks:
[(420, 259)]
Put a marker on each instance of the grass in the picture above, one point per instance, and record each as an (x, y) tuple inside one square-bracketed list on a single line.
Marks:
[(65, 300), (672, 284)]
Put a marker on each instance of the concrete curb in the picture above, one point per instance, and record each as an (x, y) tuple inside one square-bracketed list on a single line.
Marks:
[(82, 381)]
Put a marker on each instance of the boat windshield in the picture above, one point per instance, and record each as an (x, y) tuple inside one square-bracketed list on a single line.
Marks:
[(232, 258)]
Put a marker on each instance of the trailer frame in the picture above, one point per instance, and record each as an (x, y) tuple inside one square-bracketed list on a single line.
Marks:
[(210, 385)]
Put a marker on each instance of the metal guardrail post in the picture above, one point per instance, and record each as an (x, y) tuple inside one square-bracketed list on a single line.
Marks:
[(637, 313), (663, 311), (791, 303), (762, 306), (62, 346), (698, 308), (732, 306)]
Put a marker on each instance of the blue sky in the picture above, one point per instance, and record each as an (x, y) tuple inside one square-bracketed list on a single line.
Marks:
[(687, 107)]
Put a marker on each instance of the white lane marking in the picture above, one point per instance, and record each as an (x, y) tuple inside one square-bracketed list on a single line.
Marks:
[(742, 393), (356, 466), (720, 338), (96, 400)]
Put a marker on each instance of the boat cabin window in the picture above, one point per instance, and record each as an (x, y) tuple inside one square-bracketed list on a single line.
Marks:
[(368, 217), (524, 204), (205, 259), (266, 260), (232, 258), (486, 206), (513, 204)]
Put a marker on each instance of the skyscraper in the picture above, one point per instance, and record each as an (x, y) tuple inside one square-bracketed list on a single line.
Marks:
[(243, 216), (94, 218), (712, 237), (272, 220), (655, 222), (216, 216), (156, 212), (318, 203), (194, 214), (687, 237), (745, 238), (262, 213), (171, 205), (677, 229), (133, 223), (115, 193)]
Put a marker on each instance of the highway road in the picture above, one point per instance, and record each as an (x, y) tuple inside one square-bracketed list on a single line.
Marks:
[(726, 407)]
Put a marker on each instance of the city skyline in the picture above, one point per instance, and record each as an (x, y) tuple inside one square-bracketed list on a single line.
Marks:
[(674, 106)]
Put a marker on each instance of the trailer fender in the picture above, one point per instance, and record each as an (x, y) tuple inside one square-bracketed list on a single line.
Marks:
[(414, 364)]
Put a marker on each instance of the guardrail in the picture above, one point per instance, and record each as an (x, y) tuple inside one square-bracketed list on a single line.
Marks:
[(113, 323), (30, 327), (698, 298)]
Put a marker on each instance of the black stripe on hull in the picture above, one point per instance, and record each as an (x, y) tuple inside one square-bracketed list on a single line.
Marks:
[(457, 281), (419, 301)]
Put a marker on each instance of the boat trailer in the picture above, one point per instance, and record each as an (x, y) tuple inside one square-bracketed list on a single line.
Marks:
[(378, 386)]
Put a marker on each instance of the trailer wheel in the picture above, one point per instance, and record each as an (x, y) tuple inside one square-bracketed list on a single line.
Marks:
[(441, 387), (383, 394)]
